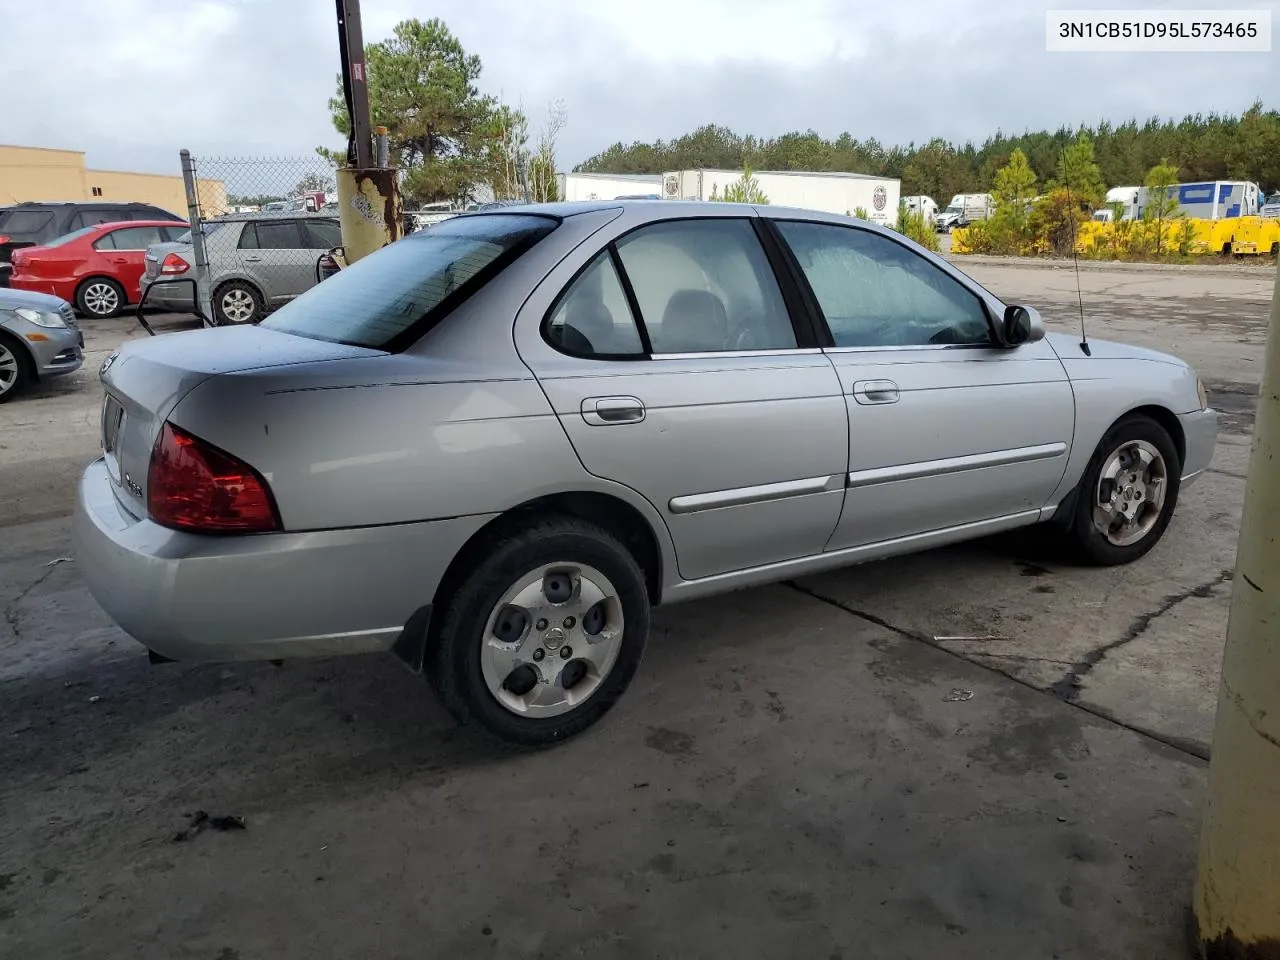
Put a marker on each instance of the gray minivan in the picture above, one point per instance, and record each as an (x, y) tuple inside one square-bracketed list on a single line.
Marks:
[(257, 262)]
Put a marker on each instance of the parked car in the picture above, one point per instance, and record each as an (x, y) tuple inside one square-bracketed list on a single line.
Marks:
[(256, 263), (39, 340), (493, 445), (97, 268), (32, 224)]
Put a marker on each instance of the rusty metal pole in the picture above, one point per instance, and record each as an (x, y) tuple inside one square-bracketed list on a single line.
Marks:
[(368, 195), (1237, 897)]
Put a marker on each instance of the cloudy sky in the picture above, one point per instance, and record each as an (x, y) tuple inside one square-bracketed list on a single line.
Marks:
[(132, 81)]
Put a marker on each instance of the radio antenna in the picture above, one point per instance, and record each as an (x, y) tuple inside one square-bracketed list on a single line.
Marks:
[(1075, 256)]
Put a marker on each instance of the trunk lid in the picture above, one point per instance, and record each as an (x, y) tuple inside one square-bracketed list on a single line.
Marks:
[(158, 251), (145, 379)]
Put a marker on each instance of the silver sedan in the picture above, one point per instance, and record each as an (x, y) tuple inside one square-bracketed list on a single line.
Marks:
[(39, 340), (493, 446)]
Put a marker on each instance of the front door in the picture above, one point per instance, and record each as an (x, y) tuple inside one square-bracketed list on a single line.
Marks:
[(675, 369), (945, 427)]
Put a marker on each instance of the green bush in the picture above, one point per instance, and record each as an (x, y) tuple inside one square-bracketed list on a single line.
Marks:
[(914, 226)]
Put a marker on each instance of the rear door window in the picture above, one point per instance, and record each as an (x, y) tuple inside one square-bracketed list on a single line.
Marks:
[(135, 238), (322, 234), (389, 299)]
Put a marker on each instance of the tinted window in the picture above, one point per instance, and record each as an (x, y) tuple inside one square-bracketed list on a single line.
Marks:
[(180, 234), (87, 218), (271, 235), (593, 317), (321, 234), (105, 242), (877, 293), (135, 238), (24, 221), (705, 286), (396, 293)]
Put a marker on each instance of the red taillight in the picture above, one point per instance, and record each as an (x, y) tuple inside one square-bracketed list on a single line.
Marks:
[(193, 485), (174, 264), (4, 238)]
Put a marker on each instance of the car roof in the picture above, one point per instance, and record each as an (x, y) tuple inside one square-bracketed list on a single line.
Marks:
[(122, 204), (659, 210)]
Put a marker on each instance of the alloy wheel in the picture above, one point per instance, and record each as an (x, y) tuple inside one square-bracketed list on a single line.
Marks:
[(101, 299), (238, 305), (8, 369)]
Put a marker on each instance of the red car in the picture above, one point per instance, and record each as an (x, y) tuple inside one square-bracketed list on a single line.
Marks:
[(97, 268)]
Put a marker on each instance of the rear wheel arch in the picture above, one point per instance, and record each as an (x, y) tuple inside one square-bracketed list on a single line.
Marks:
[(238, 281), (611, 513)]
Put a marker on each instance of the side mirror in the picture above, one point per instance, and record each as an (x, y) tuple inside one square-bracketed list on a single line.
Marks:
[(1021, 325)]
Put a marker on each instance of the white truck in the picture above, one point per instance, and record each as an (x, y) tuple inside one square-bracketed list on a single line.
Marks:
[(964, 209), (609, 186), (925, 206), (840, 193), (1207, 200), (1271, 209)]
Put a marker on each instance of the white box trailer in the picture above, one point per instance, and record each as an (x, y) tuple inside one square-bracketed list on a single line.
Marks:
[(840, 193), (608, 186)]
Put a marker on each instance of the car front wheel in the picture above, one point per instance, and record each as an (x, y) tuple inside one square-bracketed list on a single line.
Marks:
[(544, 635), (15, 368), (1127, 495)]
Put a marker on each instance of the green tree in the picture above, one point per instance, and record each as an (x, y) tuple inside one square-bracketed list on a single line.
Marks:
[(1079, 173), (744, 190), (446, 137), (314, 182), (1161, 201)]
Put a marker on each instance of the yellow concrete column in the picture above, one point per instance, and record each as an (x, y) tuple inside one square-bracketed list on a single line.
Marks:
[(369, 209), (1237, 898)]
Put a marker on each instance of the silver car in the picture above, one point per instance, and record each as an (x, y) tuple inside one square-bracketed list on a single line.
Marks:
[(493, 446), (39, 340), (256, 263)]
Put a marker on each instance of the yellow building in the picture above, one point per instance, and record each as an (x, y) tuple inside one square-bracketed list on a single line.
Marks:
[(40, 173)]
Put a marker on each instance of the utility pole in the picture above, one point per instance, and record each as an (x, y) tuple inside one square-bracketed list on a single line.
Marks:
[(368, 194), (1237, 898)]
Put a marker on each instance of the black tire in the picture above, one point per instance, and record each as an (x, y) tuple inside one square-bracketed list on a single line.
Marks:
[(237, 292), (100, 298), (16, 373), (1087, 542), (454, 646)]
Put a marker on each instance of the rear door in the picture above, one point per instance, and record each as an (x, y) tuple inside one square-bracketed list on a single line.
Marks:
[(274, 256), (125, 249), (945, 428), (673, 363)]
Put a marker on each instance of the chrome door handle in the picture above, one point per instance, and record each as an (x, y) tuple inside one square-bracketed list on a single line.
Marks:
[(876, 391), (252, 259), (607, 411)]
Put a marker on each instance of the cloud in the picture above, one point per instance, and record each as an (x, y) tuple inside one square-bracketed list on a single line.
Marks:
[(250, 77)]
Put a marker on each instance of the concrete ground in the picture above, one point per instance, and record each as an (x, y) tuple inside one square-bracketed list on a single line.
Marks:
[(809, 769)]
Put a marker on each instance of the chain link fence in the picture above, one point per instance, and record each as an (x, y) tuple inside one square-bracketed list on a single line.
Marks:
[(260, 228)]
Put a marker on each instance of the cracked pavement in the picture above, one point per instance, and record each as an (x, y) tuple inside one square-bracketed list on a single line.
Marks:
[(786, 777)]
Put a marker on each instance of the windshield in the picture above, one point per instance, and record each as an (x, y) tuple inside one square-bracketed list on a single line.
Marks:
[(382, 300), (955, 209)]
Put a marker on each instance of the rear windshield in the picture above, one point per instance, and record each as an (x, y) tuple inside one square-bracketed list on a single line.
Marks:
[(24, 221), (390, 297), (210, 228), (68, 237)]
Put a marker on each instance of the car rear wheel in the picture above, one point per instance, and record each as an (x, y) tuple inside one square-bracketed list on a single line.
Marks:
[(100, 298), (1127, 495), (237, 303), (544, 635), (15, 368)]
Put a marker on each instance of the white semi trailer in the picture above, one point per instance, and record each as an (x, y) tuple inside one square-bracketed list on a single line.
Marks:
[(608, 186), (841, 193)]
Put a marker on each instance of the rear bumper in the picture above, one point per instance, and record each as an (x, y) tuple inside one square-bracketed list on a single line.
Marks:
[(274, 596), (166, 295), (1200, 430)]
